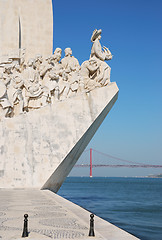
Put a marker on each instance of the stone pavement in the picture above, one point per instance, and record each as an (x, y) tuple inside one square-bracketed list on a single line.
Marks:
[(50, 217)]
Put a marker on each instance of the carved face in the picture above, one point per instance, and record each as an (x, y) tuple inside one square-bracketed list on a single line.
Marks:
[(68, 52), (93, 62), (92, 66), (30, 62), (58, 50), (57, 56)]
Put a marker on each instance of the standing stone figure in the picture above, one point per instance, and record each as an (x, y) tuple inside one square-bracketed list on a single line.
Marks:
[(51, 74), (38, 63), (71, 70)]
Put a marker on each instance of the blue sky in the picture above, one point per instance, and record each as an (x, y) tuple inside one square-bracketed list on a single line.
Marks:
[(133, 32)]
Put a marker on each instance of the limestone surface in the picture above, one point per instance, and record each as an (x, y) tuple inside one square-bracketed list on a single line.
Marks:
[(51, 139), (26, 24)]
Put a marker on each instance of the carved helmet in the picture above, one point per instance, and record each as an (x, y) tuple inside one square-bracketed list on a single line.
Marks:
[(95, 34)]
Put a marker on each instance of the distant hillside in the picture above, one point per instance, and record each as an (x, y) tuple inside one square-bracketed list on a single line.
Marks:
[(155, 176)]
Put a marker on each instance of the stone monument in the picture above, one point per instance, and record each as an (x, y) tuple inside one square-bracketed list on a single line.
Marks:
[(50, 108)]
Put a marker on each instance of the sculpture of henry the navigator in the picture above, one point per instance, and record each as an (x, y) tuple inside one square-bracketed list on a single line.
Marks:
[(95, 71), (100, 55)]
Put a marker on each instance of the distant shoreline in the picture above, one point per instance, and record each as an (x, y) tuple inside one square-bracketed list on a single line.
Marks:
[(155, 176), (149, 176)]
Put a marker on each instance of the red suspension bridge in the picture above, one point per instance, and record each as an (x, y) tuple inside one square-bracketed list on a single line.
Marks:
[(99, 159)]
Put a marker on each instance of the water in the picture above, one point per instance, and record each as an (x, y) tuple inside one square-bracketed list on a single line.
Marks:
[(133, 204)]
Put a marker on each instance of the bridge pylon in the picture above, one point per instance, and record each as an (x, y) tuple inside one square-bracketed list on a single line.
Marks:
[(90, 162)]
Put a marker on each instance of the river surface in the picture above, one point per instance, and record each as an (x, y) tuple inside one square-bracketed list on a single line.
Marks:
[(133, 204)]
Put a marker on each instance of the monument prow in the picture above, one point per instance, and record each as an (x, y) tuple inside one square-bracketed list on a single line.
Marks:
[(99, 103), (50, 140)]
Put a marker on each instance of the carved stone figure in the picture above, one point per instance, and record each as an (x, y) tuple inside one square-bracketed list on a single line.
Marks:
[(38, 62), (52, 73), (100, 55), (95, 71), (45, 68), (69, 62), (53, 84), (6, 76), (4, 101), (71, 70), (33, 88), (16, 87), (40, 67), (56, 57), (90, 71)]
